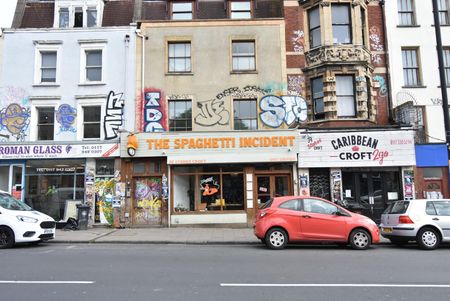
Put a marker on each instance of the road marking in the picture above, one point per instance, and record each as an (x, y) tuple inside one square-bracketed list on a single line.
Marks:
[(44, 282), (333, 285)]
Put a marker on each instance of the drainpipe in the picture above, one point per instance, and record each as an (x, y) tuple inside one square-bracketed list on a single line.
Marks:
[(388, 77), (138, 33)]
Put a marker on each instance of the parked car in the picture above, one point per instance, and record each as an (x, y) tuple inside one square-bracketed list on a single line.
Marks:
[(288, 219), (426, 221), (19, 223)]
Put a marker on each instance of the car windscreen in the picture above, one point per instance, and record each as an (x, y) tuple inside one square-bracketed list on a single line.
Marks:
[(398, 207), (10, 203)]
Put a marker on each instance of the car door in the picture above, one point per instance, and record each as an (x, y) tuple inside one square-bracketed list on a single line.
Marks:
[(319, 221), (442, 219), (289, 212)]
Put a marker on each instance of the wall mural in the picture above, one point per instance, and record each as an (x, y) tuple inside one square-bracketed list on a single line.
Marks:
[(155, 111), (277, 110), (114, 115), (383, 88), (66, 116), (375, 44), (298, 39), (148, 200), (14, 114)]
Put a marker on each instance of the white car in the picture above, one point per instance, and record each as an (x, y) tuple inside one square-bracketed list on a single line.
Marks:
[(19, 223)]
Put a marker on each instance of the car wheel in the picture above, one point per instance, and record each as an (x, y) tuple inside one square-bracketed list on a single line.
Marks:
[(6, 238), (276, 239), (360, 239), (428, 239)]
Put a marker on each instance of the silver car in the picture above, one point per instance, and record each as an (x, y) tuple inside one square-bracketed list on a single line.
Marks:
[(426, 221)]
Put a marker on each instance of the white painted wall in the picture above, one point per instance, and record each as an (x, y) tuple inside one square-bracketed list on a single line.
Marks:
[(422, 36)]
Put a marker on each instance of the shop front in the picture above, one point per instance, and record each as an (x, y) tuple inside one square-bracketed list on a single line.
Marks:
[(218, 178), (55, 178), (362, 170)]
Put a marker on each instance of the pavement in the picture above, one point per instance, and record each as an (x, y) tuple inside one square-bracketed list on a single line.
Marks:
[(176, 235)]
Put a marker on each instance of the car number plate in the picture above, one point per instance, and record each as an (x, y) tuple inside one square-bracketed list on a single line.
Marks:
[(48, 231), (387, 230)]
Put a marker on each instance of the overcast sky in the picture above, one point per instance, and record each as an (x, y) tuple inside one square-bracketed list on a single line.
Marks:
[(7, 8)]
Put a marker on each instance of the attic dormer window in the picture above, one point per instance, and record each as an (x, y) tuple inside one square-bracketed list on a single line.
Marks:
[(80, 15)]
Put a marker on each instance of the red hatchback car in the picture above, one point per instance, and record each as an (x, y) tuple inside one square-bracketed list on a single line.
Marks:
[(310, 219)]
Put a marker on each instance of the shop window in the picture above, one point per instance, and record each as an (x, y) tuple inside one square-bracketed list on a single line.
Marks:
[(180, 115), (138, 167), (406, 12), (315, 38), (342, 33), (181, 10), (345, 96), (240, 10), (411, 67), (104, 167), (432, 173), (243, 56), (46, 123), (317, 98), (184, 193), (179, 57), (245, 114), (91, 122), (210, 189), (232, 191)]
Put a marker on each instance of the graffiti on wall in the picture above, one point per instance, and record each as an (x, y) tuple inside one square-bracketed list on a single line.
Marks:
[(212, 112), (297, 39), (15, 119), (65, 116), (114, 115), (295, 84), (155, 116), (383, 87), (276, 110), (104, 190), (375, 44), (148, 200)]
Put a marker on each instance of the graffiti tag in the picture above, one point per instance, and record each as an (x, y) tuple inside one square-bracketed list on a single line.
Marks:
[(154, 116), (16, 120), (298, 41), (383, 87), (113, 117), (283, 109), (212, 112), (66, 115)]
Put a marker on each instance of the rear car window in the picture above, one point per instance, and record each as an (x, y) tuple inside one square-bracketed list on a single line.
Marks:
[(399, 207), (291, 205), (266, 204)]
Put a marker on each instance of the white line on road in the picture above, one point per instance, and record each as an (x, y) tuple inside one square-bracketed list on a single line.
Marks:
[(333, 285), (44, 282)]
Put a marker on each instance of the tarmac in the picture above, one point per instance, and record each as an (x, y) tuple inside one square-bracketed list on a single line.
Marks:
[(176, 235)]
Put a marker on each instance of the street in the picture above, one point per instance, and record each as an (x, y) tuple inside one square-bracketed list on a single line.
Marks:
[(222, 272)]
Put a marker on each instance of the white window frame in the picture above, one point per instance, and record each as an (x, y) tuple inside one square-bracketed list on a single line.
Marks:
[(90, 47), (34, 117), (237, 55), (38, 63), (176, 13), (89, 102), (340, 105), (85, 5)]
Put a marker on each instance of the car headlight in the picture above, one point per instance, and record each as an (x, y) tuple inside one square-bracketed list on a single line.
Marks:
[(26, 219)]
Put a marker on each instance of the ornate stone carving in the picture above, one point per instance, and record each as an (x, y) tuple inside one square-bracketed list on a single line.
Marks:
[(332, 54)]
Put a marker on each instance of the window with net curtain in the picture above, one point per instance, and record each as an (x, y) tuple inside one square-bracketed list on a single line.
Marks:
[(94, 65), (243, 55), (179, 57), (345, 96), (342, 33), (48, 66), (406, 12)]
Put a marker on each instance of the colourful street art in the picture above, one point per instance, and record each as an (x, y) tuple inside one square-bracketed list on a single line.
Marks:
[(66, 116), (295, 84), (104, 190), (155, 111), (147, 195), (298, 39), (375, 44), (15, 119), (277, 110), (383, 88), (114, 115)]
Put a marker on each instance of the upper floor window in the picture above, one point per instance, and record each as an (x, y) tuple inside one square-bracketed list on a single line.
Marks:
[(447, 65), (315, 38), (179, 57), (91, 122), (345, 96), (48, 66), (243, 53), (406, 12), (180, 115), (342, 30), (411, 68), (93, 65), (45, 123), (77, 13), (240, 10), (181, 10), (317, 98), (443, 12), (245, 114)]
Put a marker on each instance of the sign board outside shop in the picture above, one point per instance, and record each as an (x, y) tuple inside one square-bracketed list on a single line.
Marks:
[(357, 149), (217, 147), (58, 151)]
